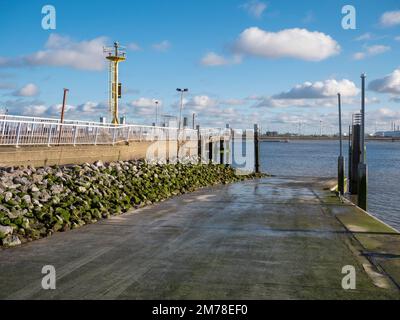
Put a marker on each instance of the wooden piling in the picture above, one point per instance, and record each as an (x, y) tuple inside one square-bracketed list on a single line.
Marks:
[(341, 175), (256, 150), (199, 144), (355, 159), (350, 161), (221, 150), (210, 151)]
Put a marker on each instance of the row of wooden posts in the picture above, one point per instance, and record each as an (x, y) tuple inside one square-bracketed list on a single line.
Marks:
[(357, 168), (222, 149)]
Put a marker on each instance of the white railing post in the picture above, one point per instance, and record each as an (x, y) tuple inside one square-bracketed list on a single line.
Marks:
[(95, 136), (18, 134), (49, 136), (113, 136), (75, 134), (127, 135), (4, 127), (32, 132)]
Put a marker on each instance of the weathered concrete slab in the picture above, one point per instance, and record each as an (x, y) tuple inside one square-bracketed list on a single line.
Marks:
[(276, 238)]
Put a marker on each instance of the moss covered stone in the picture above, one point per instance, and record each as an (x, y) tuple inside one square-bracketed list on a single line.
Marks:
[(60, 198)]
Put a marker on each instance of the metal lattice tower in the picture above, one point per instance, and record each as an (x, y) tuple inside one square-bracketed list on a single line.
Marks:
[(116, 54)]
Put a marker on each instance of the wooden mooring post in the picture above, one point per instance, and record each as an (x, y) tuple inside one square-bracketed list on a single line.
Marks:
[(210, 151), (349, 161), (199, 144), (355, 159), (256, 150), (221, 150)]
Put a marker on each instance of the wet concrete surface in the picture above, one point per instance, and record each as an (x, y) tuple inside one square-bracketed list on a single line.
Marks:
[(274, 238)]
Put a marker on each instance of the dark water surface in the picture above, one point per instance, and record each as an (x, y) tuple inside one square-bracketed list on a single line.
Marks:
[(319, 158)]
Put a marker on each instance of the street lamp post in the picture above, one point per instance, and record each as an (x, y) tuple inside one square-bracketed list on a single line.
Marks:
[(340, 159), (362, 167), (62, 114), (182, 91), (156, 102), (181, 106)]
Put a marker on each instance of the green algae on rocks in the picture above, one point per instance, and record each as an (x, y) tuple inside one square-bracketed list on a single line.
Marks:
[(35, 203)]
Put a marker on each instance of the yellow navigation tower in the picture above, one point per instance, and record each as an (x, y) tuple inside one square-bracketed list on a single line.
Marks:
[(116, 54)]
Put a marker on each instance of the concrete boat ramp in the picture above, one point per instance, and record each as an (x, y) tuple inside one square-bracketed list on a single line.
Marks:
[(274, 238)]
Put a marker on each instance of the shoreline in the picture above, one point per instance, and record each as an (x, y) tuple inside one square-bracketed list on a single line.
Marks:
[(311, 138)]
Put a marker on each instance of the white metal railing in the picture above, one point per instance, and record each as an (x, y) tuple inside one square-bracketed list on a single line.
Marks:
[(46, 120), (16, 131)]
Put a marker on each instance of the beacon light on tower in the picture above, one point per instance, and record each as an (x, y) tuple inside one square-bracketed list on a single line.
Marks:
[(116, 54)]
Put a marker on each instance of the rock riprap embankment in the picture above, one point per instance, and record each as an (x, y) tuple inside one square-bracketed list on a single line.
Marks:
[(35, 203)]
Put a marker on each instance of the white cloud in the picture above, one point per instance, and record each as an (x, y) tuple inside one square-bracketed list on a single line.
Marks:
[(201, 102), (55, 110), (254, 8), (29, 90), (62, 51), (145, 107), (359, 56), (390, 18), (271, 102), (133, 47), (145, 102), (34, 110), (384, 117), (377, 49), (387, 84), (371, 51), (211, 59), (320, 89), (364, 37), (89, 107), (291, 43), (162, 46), (233, 102)]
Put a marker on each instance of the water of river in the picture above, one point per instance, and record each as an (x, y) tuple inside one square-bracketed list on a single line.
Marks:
[(319, 158)]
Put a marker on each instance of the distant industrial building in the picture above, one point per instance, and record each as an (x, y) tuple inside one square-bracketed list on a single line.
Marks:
[(388, 134)]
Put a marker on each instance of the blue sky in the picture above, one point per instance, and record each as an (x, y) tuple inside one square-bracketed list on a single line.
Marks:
[(278, 63)]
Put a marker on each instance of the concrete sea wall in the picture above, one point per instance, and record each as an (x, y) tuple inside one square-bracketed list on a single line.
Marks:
[(40, 156)]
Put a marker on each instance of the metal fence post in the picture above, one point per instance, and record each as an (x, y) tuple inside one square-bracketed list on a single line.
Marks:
[(18, 134), (75, 134), (113, 137), (49, 136), (96, 135), (362, 168), (128, 133), (3, 128)]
